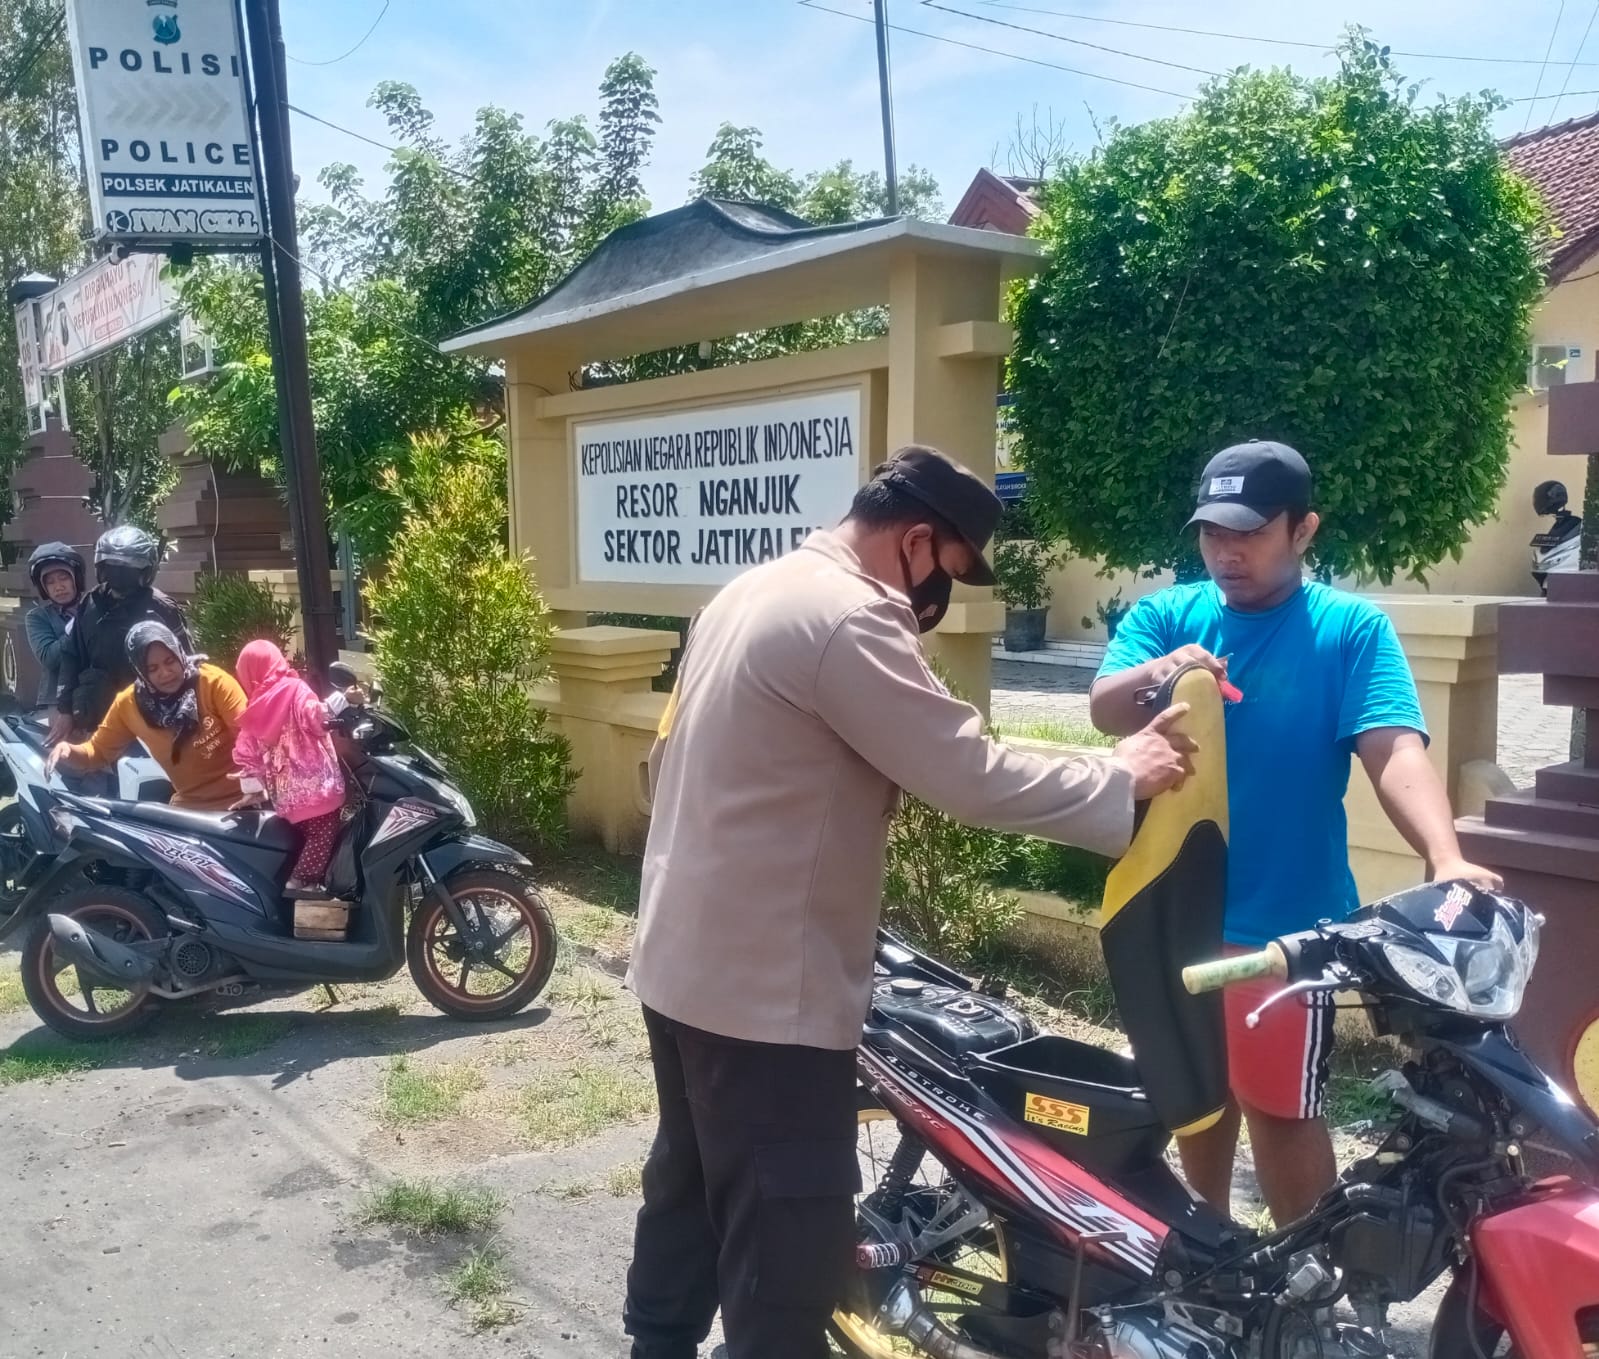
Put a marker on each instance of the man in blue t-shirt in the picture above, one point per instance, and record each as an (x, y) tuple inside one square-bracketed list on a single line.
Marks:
[(1322, 677)]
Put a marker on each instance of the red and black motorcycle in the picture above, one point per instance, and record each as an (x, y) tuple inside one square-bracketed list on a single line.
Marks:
[(1018, 1203)]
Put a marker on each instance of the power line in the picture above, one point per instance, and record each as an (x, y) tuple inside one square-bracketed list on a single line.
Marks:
[(997, 52), (40, 46), (1061, 37), (373, 141), (1255, 37), (334, 61), (1559, 15), (1571, 66)]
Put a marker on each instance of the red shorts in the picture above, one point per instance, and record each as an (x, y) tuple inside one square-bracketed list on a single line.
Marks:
[(1279, 1067)]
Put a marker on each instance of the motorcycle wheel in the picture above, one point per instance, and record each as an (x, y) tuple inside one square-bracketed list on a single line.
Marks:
[(1456, 1327), (14, 857), (852, 1329), (62, 994), (524, 949)]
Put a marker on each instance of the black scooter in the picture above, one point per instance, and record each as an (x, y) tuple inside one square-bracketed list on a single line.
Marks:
[(150, 903)]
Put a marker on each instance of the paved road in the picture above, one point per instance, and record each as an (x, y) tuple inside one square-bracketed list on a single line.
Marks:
[(1531, 735)]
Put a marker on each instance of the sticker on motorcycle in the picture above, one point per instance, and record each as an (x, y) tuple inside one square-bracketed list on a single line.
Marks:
[(404, 816), (1058, 1114), (1458, 898), (938, 1279), (200, 864)]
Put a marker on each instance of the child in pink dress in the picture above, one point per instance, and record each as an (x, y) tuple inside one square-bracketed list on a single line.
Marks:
[(284, 753)]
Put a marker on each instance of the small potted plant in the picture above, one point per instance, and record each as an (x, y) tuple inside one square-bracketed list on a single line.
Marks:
[(1021, 581)]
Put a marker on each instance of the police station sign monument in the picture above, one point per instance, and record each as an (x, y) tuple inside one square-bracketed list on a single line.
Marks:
[(166, 131)]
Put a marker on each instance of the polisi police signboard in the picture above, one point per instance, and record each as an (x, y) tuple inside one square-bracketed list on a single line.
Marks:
[(166, 132), (693, 497)]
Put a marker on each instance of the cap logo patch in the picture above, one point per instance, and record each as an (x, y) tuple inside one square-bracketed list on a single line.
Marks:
[(1226, 486)]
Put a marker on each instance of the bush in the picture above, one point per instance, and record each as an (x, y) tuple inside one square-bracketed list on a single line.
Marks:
[(462, 632), (939, 889), (1043, 866), (229, 611), (1021, 573), (1330, 262)]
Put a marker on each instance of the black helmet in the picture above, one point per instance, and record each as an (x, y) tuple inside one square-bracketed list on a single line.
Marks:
[(55, 557), (1548, 497), (129, 547)]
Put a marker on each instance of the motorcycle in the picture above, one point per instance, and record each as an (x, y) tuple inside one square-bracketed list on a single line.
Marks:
[(28, 841), (149, 903), (1558, 547), (1019, 1205)]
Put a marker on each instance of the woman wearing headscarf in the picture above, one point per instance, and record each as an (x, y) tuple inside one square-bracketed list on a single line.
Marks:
[(285, 756), (185, 710)]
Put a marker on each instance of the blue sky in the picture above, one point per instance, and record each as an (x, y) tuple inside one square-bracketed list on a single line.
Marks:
[(807, 78)]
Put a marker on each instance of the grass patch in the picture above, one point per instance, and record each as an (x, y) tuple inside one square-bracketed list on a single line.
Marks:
[(425, 1094), (42, 1062), (479, 1284), (560, 1108), (428, 1208), (580, 989), (11, 994), (242, 1035), (1058, 730), (624, 1181), (1355, 1063)]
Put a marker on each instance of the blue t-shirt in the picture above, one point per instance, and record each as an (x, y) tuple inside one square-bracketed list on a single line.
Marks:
[(1316, 672)]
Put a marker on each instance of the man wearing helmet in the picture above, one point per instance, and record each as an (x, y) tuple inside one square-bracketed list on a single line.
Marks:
[(57, 574), (94, 664)]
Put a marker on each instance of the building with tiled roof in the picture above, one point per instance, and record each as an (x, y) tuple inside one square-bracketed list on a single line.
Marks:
[(1563, 162)]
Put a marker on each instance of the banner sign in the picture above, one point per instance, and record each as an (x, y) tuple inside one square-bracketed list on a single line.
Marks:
[(695, 497), (166, 132), (96, 310), (28, 361)]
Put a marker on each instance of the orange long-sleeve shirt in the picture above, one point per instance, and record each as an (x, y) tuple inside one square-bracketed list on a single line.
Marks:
[(199, 776)]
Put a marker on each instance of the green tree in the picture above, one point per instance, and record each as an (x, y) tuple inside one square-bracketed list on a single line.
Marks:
[(1330, 262), (736, 169), (458, 234), (42, 209), (462, 632)]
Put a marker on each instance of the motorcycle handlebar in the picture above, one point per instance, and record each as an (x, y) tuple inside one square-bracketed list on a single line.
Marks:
[(1212, 976)]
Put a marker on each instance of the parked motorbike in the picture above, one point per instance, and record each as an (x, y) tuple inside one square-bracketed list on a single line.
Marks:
[(1018, 1203), (28, 841), (1557, 548), (150, 903)]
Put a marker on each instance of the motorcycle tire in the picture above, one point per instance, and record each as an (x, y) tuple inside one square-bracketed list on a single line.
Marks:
[(123, 914), (434, 953)]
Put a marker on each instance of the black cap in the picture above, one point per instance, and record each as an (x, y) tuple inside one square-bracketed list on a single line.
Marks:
[(1248, 485), (954, 492)]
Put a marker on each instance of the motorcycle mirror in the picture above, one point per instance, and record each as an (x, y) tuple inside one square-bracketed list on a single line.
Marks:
[(342, 675)]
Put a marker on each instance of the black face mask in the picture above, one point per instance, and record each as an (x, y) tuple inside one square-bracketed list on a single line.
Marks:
[(929, 597)]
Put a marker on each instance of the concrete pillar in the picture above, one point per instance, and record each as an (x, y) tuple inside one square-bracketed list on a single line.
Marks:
[(944, 345), (602, 703), (284, 587), (1451, 644)]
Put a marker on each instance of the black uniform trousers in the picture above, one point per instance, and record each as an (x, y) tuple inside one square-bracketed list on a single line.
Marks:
[(748, 1197)]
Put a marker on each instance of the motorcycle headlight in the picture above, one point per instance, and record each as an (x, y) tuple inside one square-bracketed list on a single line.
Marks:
[(1482, 977)]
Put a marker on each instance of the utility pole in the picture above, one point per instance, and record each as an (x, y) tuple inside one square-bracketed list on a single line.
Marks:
[(285, 301), (891, 176)]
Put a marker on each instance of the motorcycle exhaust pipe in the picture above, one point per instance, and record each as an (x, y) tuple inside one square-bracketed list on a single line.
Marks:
[(102, 957)]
